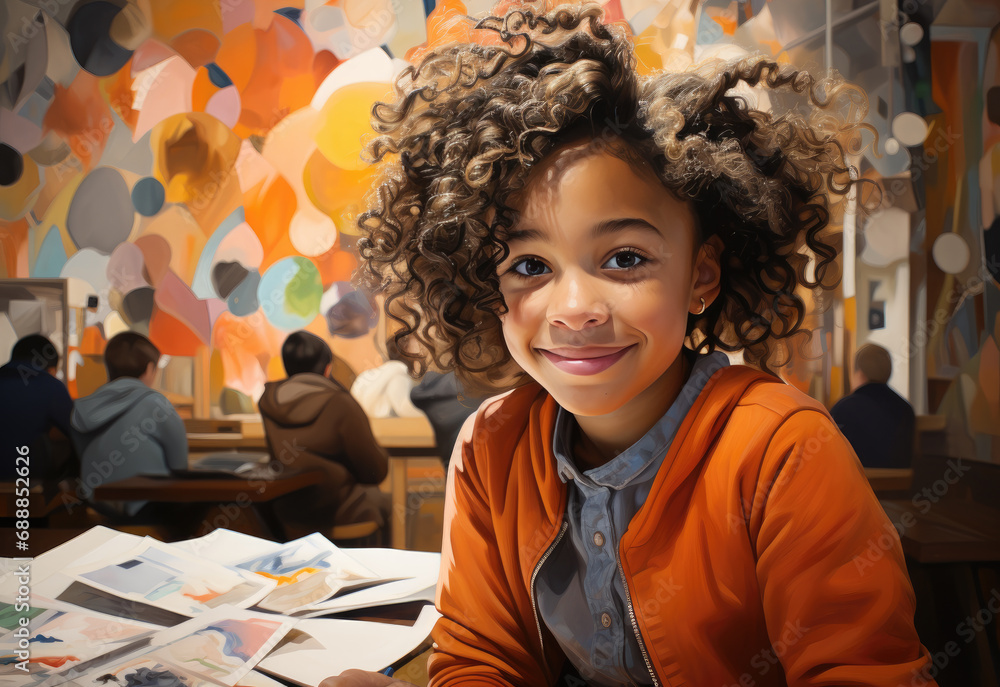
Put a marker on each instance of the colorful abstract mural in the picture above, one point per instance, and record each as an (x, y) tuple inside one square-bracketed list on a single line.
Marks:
[(197, 164)]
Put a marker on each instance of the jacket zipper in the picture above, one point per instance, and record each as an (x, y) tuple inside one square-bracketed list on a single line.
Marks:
[(635, 626), (534, 574)]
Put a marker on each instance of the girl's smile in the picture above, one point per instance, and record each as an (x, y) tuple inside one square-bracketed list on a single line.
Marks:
[(585, 361), (602, 273)]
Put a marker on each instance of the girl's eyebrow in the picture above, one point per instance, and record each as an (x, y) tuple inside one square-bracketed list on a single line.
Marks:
[(611, 226), (602, 228)]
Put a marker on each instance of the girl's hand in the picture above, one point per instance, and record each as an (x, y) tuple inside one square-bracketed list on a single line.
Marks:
[(362, 678)]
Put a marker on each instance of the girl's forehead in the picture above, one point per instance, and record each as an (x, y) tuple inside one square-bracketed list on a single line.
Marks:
[(612, 157)]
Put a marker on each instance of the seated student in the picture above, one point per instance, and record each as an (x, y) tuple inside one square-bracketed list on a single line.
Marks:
[(126, 428), (638, 511), (311, 421), (443, 400), (33, 402), (878, 422)]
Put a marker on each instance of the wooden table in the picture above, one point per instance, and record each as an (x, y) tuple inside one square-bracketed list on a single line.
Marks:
[(949, 531), (889, 479), (239, 492), (401, 437)]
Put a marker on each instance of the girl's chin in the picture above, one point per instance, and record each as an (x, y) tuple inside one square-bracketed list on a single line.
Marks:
[(580, 405)]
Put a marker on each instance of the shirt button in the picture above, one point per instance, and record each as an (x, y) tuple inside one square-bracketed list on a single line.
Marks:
[(598, 538), (606, 619)]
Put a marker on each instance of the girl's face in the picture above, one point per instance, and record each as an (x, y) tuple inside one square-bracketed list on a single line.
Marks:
[(601, 276)]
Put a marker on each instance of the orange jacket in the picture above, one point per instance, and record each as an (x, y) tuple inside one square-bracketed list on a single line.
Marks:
[(761, 556)]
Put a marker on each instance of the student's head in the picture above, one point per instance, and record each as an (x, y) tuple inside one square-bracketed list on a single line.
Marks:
[(545, 197), (131, 354), (305, 352), (872, 363), (37, 351)]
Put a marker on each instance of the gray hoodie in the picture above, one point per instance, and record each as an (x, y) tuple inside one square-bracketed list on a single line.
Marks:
[(126, 429)]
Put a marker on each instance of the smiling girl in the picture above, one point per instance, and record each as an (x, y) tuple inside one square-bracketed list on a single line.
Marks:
[(637, 510)]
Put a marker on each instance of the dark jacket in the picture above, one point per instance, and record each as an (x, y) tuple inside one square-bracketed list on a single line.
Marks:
[(880, 425), (437, 395), (311, 422), (31, 402)]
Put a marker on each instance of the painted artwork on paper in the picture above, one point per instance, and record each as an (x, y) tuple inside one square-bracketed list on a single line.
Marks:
[(62, 639), (308, 571), (141, 672), (175, 581), (10, 616), (226, 649), (217, 648)]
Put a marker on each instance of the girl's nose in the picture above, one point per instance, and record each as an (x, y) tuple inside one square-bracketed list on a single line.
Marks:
[(577, 303)]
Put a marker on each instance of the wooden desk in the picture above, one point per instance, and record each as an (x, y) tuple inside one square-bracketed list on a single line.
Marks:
[(239, 491), (405, 436), (951, 530), (249, 437), (889, 479), (401, 437)]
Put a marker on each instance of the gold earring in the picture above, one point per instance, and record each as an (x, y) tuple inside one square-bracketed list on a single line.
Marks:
[(702, 307)]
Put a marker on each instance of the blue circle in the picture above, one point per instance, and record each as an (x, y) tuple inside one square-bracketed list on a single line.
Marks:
[(148, 196)]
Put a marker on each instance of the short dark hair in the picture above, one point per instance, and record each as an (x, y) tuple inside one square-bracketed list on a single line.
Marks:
[(874, 362), (129, 354), (37, 350), (305, 352)]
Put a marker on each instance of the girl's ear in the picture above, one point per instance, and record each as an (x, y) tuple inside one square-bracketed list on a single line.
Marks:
[(706, 273)]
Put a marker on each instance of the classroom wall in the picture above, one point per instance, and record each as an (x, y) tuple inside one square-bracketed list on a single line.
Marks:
[(197, 165)]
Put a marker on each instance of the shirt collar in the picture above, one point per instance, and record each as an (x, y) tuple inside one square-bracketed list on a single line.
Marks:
[(652, 447)]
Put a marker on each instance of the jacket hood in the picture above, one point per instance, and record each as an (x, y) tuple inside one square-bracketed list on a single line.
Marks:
[(298, 400), (107, 404)]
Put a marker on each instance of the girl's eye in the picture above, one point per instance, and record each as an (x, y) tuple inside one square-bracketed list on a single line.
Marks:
[(625, 260), (530, 267)]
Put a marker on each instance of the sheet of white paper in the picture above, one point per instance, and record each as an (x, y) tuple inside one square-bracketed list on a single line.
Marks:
[(96, 544), (47, 570), (329, 646), (226, 547), (257, 679)]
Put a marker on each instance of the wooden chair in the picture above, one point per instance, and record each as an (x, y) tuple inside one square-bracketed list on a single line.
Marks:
[(356, 535)]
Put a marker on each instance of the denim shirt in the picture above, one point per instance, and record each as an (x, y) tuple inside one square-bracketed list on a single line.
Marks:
[(581, 597)]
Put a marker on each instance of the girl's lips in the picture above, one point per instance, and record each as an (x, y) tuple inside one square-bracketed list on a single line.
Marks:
[(590, 365)]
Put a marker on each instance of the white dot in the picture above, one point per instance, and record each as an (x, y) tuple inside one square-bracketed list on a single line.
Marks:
[(951, 253), (909, 128), (891, 146), (907, 53), (911, 33)]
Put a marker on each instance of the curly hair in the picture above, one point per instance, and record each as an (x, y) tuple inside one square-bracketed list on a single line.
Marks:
[(469, 122)]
